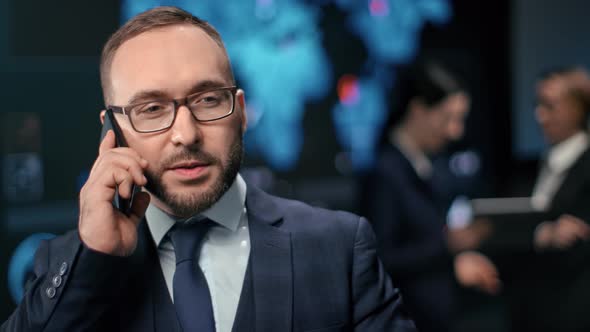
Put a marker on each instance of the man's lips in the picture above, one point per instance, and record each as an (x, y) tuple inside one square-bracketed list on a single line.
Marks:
[(189, 169), (188, 165)]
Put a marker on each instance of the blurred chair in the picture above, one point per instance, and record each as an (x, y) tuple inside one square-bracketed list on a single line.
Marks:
[(21, 264)]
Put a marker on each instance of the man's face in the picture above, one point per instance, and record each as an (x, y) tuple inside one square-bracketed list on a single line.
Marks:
[(193, 163), (557, 112), (444, 122)]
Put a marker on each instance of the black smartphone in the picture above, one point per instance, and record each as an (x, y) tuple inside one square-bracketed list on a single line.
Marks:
[(110, 123)]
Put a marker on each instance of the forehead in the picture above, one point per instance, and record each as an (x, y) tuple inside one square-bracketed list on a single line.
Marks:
[(170, 59), (553, 87), (459, 100), (456, 103)]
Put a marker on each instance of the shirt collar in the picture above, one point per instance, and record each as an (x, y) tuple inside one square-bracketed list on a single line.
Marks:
[(410, 150), (564, 154), (227, 212)]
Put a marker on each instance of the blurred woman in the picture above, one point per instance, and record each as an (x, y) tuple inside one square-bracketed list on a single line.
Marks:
[(428, 113)]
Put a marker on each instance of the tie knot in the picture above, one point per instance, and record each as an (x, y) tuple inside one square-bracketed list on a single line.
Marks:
[(187, 239)]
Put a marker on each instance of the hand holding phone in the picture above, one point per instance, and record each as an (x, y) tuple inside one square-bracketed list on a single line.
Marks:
[(124, 205), (111, 204)]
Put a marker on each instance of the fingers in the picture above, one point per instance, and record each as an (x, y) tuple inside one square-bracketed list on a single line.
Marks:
[(126, 155), (101, 226), (107, 143), (486, 274), (579, 227), (543, 236), (568, 230), (566, 240), (477, 271), (125, 182), (489, 285), (120, 169), (116, 169), (112, 157), (121, 179), (131, 166), (489, 280)]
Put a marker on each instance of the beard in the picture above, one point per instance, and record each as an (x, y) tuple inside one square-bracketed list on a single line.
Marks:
[(189, 204)]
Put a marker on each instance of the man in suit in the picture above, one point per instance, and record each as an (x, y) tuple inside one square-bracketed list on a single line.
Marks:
[(543, 257), (200, 250)]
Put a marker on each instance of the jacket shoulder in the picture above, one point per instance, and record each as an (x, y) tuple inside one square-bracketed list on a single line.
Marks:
[(302, 217)]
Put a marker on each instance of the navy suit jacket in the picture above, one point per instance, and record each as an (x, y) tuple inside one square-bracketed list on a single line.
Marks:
[(409, 222), (311, 270)]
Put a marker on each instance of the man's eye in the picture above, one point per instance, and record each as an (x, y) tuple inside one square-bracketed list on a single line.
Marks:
[(151, 108), (208, 100)]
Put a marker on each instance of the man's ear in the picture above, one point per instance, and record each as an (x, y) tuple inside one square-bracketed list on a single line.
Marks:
[(241, 103), (102, 114), (417, 109)]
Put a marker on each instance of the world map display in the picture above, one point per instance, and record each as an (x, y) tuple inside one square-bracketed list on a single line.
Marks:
[(278, 57)]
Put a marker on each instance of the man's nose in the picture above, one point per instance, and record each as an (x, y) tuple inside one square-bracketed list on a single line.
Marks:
[(455, 131), (186, 130)]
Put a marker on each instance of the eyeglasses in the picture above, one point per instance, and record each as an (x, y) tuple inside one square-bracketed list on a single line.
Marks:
[(159, 115)]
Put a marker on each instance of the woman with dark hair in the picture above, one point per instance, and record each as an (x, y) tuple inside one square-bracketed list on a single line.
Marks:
[(427, 87), (428, 112)]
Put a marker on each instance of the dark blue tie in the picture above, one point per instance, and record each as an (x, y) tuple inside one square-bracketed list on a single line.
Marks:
[(191, 293)]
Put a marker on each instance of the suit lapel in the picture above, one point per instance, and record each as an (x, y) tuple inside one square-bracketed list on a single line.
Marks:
[(272, 269), (571, 183)]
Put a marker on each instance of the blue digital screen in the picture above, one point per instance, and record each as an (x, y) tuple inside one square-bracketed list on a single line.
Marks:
[(277, 53)]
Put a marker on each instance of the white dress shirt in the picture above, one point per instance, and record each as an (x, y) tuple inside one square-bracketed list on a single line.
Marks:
[(560, 159), (224, 253)]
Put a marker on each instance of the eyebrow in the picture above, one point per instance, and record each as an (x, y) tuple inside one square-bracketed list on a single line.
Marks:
[(146, 95)]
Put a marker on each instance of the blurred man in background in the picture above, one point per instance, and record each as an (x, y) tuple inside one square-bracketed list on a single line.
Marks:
[(544, 258)]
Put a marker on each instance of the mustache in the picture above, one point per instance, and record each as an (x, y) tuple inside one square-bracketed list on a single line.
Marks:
[(189, 154)]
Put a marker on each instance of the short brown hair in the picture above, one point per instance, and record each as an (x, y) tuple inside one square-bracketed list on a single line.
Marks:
[(152, 19), (577, 82)]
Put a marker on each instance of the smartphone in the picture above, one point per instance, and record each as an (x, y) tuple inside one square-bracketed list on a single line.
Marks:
[(110, 123)]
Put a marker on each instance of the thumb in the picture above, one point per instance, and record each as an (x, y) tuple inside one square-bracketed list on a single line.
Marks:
[(141, 200)]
